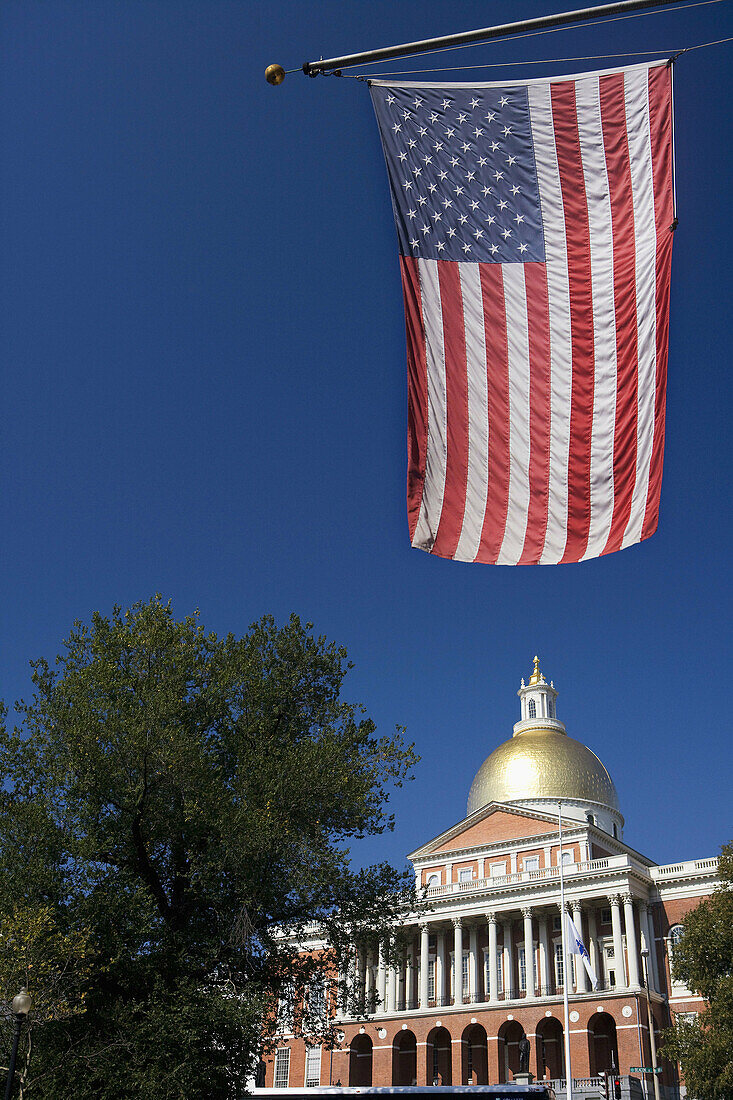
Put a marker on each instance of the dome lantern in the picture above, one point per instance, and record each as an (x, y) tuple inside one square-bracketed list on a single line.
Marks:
[(538, 701)]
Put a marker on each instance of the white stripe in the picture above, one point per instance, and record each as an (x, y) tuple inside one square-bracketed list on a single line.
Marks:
[(558, 295), (477, 482), (515, 302), (636, 91), (590, 133), (431, 505)]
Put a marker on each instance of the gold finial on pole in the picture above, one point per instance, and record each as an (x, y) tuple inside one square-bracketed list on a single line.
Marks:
[(536, 676), (274, 74)]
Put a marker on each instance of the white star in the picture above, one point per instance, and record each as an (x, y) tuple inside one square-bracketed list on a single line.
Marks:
[(519, 218), (462, 118), (403, 156), (446, 104), (510, 161), (475, 103), (390, 99), (396, 127), (507, 131), (494, 146), (451, 232), (488, 190), (522, 248), (491, 219), (463, 218), (503, 101), (458, 190), (442, 175), (416, 171), (466, 247), (469, 176), (515, 190), (465, 147), (422, 131), (407, 184), (438, 146), (506, 233), (422, 200), (482, 161), (411, 143), (447, 203), (426, 229), (406, 115), (449, 132), (415, 244), (478, 234), (440, 246), (418, 103), (432, 187), (502, 204), (491, 116), (427, 160), (412, 213), (498, 176), (477, 132), (437, 216), (474, 205), (494, 248), (434, 117), (454, 161)]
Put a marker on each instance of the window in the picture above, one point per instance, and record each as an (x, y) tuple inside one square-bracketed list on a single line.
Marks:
[(532, 709), (675, 935), (606, 916), (312, 1067), (556, 924), (317, 998), (282, 1068), (522, 969), (465, 973), (568, 857), (615, 830), (532, 863), (285, 1008), (497, 869), (610, 953), (465, 874), (590, 819), (433, 880), (559, 966), (431, 979), (551, 707), (500, 971)]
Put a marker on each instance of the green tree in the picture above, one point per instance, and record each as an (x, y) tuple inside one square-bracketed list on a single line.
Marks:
[(179, 800), (703, 960)]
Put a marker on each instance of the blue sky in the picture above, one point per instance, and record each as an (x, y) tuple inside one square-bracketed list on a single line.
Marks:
[(203, 345)]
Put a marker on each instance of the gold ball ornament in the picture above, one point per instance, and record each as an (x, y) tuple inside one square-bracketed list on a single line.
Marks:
[(274, 74)]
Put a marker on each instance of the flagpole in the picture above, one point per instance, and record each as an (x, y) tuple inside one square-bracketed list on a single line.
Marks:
[(388, 53), (565, 961)]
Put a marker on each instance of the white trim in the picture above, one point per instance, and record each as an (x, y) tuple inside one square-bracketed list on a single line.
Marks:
[(516, 83)]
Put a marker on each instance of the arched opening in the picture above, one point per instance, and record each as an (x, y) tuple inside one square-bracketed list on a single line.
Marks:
[(550, 1049), (438, 1054), (404, 1059), (475, 1058), (602, 1044), (510, 1034), (360, 1060)]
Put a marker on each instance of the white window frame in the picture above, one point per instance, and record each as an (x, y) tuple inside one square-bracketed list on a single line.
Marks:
[(465, 874), (522, 968), (433, 879), (312, 1067), (567, 856), (431, 979), (496, 870), (531, 863), (282, 1068), (465, 972)]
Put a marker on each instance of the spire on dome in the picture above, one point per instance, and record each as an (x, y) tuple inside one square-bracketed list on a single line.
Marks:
[(536, 677), (538, 701)]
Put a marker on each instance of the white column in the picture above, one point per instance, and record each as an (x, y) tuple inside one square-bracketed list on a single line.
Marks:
[(618, 943), (647, 927), (457, 961), (631, 948), (424, 959), (391, 978), (593, 941), (369, 982), (544, 982), (508, 961), (441, 985), (528, 950), (410, 976), (473, 964), (493, 976), (382, 978), (581, 974)]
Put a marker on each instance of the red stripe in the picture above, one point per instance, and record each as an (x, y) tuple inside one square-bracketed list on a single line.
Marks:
[(456, 385), (615, 139), (497, 375), (575, 206), (417, 390), (660, 112), (538, 324)]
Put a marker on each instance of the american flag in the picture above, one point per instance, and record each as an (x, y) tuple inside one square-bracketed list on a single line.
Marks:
[(535, 229)]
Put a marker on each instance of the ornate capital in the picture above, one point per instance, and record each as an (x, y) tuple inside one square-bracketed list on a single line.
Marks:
[(423, 926), (577, 906), (527, 911), (457, 922), (491, 917), (627, 899), (614, 900)]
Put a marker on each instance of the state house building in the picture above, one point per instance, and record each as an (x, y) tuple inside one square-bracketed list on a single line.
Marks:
[(484, 964)]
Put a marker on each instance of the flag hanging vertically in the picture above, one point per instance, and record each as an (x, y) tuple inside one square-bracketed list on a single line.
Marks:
[(577, 947), (535, 229)]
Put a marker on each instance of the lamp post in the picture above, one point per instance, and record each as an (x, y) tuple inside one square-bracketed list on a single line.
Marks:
[(650, 1018), (21, 1008)]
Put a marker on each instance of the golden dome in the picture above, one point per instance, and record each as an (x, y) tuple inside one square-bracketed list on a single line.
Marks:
[(542, 763)]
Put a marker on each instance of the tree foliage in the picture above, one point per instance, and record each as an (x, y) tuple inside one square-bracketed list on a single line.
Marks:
[(703, 960), (176, 800)]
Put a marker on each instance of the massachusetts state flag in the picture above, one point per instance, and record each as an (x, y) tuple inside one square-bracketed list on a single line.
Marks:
[(535, 228), (577, 947)]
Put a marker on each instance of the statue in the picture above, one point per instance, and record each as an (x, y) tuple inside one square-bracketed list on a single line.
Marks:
[(524, 1049)]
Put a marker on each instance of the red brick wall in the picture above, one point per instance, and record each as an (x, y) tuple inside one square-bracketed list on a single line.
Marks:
[(497, 826)]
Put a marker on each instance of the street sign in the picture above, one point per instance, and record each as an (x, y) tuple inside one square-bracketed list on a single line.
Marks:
[(644, 1069)]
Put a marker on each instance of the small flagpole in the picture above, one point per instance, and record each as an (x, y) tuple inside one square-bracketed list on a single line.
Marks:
[(565, 960)]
